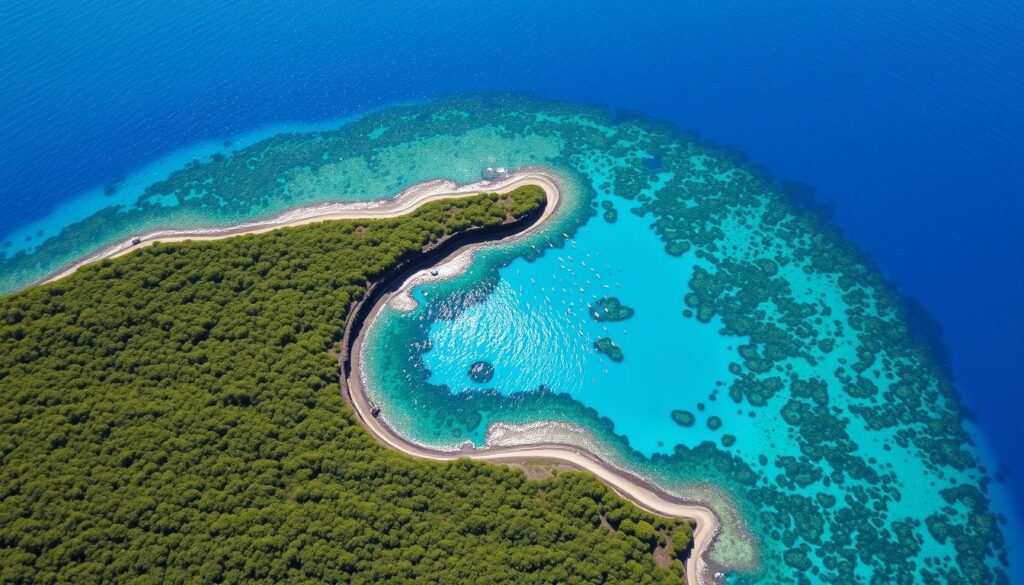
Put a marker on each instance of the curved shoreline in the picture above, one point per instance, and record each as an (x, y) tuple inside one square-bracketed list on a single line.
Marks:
[(636, 490), (406, 201)]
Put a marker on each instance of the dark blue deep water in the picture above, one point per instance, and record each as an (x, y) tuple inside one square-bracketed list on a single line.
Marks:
[(906, 116)]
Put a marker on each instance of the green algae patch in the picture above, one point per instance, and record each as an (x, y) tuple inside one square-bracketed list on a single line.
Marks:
[(481, 372), (608, 347), (683, 418), (714, 423), (610, 309)]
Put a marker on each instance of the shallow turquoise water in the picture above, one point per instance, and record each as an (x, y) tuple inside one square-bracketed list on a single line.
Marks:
[(540, 315), (841, 454)]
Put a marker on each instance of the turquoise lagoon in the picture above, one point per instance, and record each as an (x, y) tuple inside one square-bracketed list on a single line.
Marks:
[(840, 452), (540, 313)]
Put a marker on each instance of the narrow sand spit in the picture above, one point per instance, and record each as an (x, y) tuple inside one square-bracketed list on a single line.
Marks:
[(405, 202), (632, 488)]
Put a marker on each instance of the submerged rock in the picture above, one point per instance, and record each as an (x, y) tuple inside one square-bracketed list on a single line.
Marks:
[(606, 346), (481, 372), (610, 309)]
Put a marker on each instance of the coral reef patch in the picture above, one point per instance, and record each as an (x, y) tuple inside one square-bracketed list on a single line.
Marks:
[(481, 372), (683, 418), (610, 309), (608, 347)]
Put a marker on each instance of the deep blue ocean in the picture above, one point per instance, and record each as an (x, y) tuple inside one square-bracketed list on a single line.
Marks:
[(906, 116)]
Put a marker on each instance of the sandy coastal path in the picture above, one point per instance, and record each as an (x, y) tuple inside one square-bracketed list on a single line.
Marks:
[(631, 488)]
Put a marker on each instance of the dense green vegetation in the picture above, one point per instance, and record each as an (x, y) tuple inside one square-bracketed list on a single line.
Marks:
[(174, 416)]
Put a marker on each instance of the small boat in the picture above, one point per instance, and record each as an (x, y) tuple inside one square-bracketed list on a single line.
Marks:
[(136, 240)]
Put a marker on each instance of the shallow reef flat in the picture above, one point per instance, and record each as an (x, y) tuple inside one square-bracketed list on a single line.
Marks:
[(818, 424)]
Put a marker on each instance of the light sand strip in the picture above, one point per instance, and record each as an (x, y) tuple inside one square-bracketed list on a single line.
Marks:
[(405, 202)]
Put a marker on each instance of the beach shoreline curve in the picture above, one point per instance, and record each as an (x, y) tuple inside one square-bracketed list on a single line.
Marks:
[(636, 490), (405, 202)]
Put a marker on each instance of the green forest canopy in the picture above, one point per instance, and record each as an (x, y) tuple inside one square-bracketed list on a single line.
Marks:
[(174, 416)]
